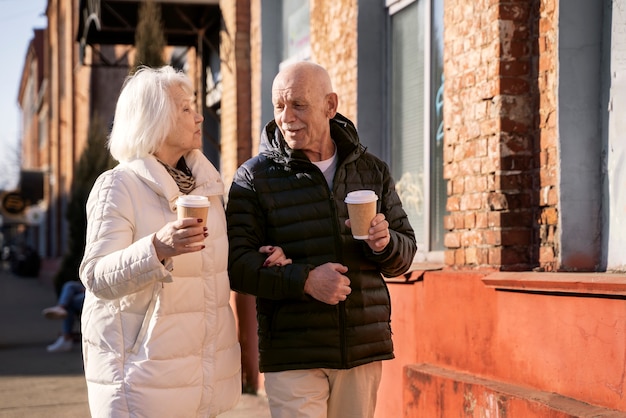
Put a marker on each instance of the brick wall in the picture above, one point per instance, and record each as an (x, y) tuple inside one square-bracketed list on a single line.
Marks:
[(32, 156), (499, 136), (546, 134), (228, 122), (255, 76), (236, 103), (334, 45)]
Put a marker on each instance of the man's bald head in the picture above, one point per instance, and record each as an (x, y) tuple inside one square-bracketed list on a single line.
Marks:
[(304, 73)]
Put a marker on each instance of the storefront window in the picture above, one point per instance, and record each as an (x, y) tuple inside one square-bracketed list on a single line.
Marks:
[(416, 116)]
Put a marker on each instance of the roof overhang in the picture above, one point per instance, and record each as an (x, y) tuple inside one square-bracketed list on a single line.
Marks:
[(113, 22)]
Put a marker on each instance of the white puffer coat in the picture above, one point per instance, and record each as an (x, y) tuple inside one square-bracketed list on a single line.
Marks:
[(159, 339)]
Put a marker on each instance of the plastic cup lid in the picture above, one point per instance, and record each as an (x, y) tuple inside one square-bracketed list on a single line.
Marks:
[(361, 196), (193, 201)]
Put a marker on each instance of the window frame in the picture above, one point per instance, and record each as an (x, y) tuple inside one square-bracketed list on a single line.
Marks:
[(425, 253)]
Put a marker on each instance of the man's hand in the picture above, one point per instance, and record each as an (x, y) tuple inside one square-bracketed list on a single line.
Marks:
[(378, 233), (327, 283)]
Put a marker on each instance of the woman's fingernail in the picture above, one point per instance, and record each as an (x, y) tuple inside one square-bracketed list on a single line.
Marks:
[(266, 263), (206, 234), (199, 220)]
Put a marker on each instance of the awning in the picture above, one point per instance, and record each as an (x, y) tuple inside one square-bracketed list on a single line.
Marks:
[(113, 22)]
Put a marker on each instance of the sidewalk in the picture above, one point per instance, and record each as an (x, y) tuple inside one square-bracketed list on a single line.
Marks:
[(38, 384)]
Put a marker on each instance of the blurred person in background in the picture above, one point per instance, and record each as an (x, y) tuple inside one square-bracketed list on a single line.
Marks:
[(68, 308)]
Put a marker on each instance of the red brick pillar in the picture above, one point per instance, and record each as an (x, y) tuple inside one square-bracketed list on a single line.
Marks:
[(236, 148), (494, 157)]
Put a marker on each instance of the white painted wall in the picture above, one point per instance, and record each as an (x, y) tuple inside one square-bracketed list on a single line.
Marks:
[(616, 163)]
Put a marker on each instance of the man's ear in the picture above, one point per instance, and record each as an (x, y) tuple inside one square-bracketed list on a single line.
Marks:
[(332, 101)]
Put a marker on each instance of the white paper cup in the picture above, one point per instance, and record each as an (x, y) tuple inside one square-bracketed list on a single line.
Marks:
[(361, 210), (193, 206)]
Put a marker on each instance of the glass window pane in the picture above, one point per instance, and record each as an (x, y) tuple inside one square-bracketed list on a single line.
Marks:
[(438, 185), (407, 111), (296, 30)]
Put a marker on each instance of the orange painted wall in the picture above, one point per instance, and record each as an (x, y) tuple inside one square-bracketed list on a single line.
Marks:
[(404, 299), (570, 345)]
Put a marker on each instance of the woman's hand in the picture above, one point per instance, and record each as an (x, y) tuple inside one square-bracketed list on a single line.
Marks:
[(276, 256), (178, 237)]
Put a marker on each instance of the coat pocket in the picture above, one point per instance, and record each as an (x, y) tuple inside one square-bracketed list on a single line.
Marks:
[(141, 334)]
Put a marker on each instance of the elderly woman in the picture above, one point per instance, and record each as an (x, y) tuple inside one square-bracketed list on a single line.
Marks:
[(159, 336)]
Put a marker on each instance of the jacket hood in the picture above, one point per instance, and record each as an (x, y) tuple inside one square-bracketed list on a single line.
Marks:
[(342, 131)]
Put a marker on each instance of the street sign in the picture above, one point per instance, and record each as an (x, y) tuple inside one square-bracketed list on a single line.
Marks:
[(13, 203)]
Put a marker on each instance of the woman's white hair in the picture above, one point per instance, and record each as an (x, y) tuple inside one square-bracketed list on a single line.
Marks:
[(145, 112)]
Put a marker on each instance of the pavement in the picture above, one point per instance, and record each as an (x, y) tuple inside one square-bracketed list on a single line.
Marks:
[(38, 384)]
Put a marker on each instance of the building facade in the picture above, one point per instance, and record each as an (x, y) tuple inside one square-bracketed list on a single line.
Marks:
[(502, 125)]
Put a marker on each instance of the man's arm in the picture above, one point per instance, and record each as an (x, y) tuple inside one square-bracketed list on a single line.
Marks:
[(246, 234), (396, 257)]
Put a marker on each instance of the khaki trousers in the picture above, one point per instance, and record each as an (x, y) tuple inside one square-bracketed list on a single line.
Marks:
[(324, 393)]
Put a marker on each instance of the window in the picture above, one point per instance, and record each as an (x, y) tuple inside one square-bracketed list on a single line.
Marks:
[(415, 71), (592, 148), (296, 30)]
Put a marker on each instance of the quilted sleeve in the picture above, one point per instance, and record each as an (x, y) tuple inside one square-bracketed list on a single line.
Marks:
[(246, 234), (397, 257), (116, 263)]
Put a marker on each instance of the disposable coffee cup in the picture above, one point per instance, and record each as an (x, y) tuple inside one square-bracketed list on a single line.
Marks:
[(361, 210), (192, 206)]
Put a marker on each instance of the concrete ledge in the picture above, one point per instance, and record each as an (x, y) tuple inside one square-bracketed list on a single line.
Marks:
[(415, 274), (431, 391), (573, 283)]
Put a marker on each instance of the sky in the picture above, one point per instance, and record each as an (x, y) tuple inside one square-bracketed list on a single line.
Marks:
[(18, 19)]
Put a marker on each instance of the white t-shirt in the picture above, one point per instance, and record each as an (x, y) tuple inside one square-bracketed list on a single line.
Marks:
[(328, 167)]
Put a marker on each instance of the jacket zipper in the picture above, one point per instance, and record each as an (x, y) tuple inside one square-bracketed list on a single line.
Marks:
[(341, 306)]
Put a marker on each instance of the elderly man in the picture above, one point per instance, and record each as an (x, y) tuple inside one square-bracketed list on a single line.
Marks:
[(324, 319)]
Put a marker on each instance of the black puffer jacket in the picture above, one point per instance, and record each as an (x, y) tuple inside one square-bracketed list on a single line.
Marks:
[(280, 198)]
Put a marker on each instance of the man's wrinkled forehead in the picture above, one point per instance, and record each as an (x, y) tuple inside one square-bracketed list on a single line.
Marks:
[(291, 80), (289, 93)]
